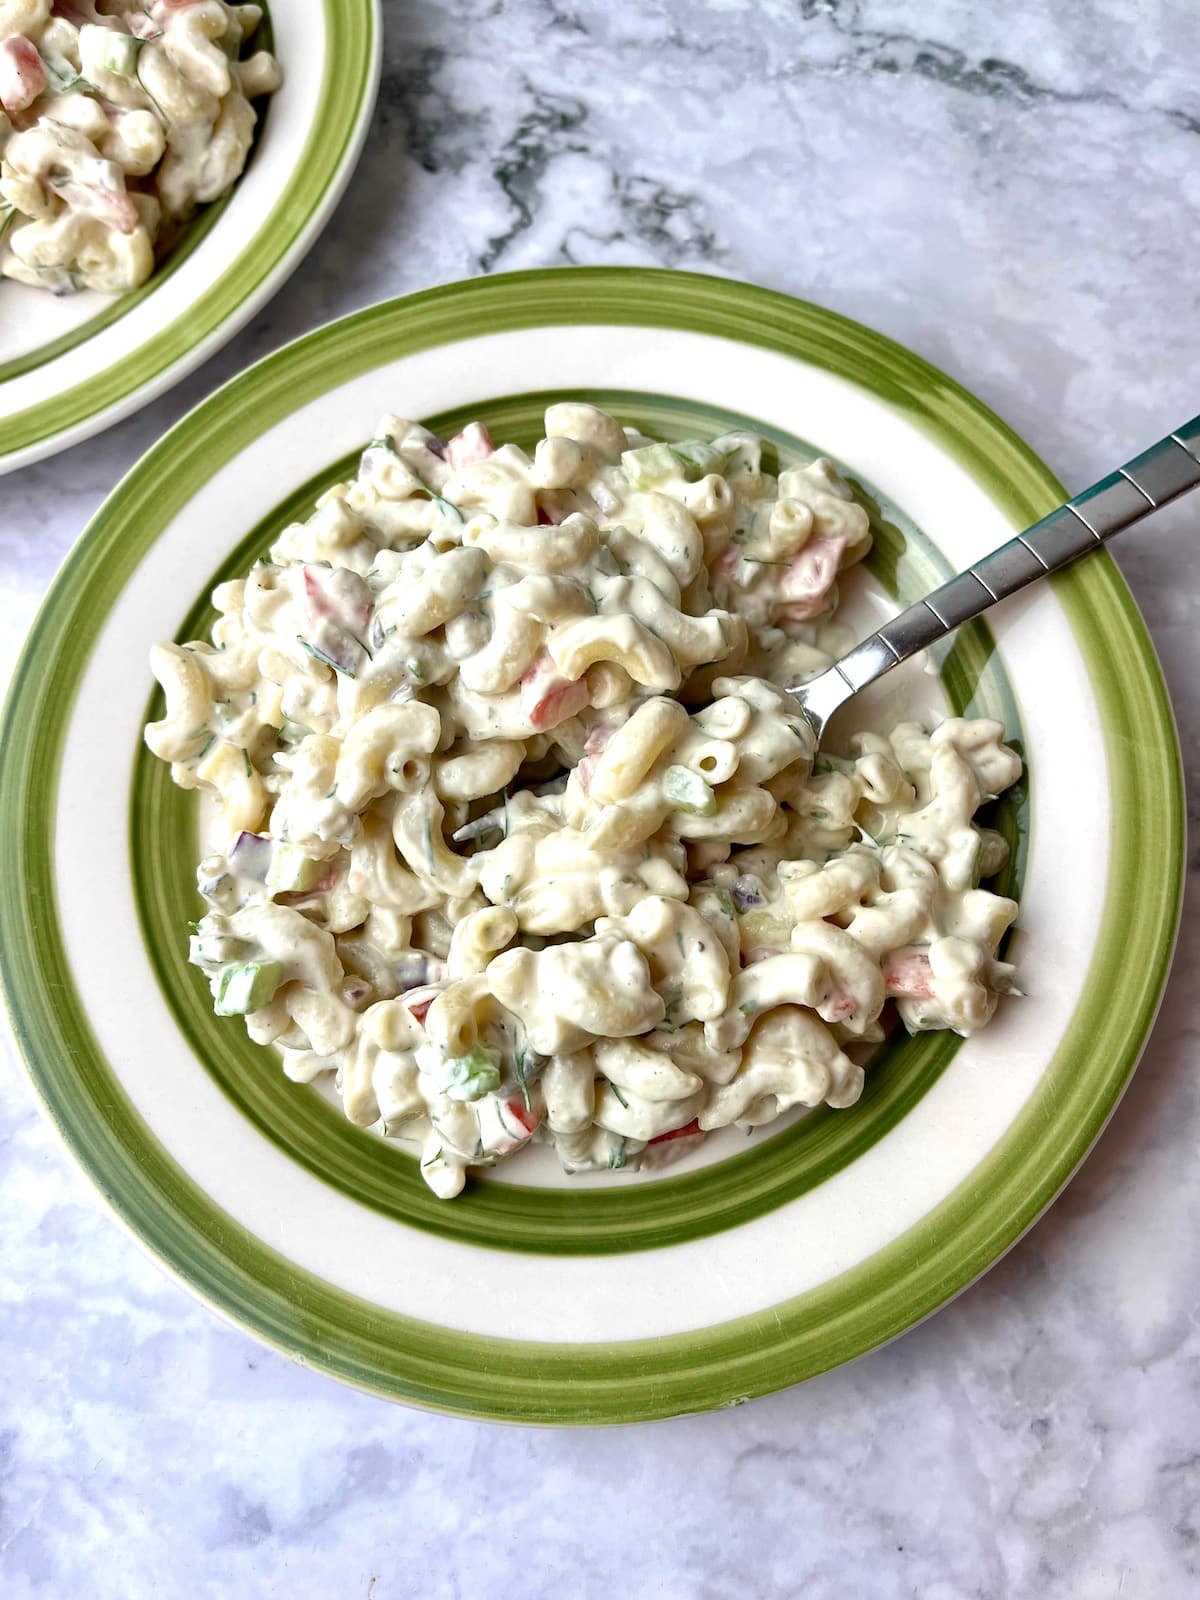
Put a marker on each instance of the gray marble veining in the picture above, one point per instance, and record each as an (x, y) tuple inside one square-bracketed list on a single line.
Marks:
[(1014, 191)]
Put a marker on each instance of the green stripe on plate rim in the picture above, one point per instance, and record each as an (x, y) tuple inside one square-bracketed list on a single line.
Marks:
[(193, 234), (565, 1219), (342, 106), (401, 1357)]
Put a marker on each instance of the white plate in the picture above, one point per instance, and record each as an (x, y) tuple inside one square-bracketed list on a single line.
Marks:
[(71, 366), (537, 1297)]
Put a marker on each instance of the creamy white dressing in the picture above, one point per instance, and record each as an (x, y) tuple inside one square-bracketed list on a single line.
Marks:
[(517, 834), (115, 125)]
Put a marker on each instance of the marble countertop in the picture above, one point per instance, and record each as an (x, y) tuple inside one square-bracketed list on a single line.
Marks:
[(1014, 192)]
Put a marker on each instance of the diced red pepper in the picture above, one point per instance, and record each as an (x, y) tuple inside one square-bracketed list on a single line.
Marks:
[(524, 1117), (810, 575), (419, 1001), (114, 209), (909, 975), (686, 1132), (22, 75), (838, 1007), (547, 698), (474, 443)]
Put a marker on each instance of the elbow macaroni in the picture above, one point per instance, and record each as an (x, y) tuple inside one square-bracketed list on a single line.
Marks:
[(520, 838), (111, 123)]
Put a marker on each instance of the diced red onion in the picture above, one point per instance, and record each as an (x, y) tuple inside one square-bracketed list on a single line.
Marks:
[(746, 892), (415, 971), (250, 855)]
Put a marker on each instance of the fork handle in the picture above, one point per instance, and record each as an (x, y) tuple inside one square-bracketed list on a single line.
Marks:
[(1168, 469)]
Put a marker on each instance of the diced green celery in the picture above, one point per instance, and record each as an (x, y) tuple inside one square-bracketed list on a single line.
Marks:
[(291, 871), (471, 1076), (700, 458), (119, 54), (649, 465), (449, 511), (247, 986), (687, 791)]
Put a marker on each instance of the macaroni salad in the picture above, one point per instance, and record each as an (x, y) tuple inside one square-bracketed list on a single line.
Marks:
[(114, 123), (517, 832)]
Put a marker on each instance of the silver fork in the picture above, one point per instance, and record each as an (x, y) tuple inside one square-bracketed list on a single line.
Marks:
[(1164, 472)]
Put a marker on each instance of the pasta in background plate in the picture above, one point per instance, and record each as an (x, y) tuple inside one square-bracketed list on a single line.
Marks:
[(114, 123), (518, 833)]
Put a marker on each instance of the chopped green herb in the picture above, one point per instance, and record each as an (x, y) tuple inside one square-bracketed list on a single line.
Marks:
[(319, 655), (429, 845), (616, 1089), (206, 747), (444, 506), (521, 1065), (679, 943), (61, 75), (249, 765), (763, 561), (616, 1158), (381, 444), (415, 670), (748, 1008)]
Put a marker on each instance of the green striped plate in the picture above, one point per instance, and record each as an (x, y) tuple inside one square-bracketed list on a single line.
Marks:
[(625, 1296), (70, 367)]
